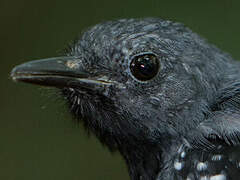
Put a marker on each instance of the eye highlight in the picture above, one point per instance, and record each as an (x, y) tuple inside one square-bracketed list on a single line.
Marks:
[(144, 67)]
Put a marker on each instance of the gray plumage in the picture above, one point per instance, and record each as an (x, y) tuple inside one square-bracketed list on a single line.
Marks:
[(153, 90)]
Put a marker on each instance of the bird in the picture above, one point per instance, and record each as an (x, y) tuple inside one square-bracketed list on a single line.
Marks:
[(156, 92)]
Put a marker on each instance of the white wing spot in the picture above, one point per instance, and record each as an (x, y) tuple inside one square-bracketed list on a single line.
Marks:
[(183, 154), (217, 157), (178, 165), (204, 178), (218, 177), (201, 166), (238, 165)]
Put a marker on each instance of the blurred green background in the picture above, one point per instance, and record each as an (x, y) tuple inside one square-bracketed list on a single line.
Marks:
[(38, 139)]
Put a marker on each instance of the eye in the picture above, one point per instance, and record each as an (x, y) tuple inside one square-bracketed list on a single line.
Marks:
[(144, 67)]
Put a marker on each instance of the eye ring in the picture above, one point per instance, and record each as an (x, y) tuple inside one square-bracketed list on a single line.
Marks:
[(144, 67)]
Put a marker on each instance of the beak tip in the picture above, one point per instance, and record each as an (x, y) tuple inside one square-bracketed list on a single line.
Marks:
[(13, 73)]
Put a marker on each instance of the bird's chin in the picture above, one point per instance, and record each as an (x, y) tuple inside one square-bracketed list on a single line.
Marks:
[(94, 111), (85, 103)]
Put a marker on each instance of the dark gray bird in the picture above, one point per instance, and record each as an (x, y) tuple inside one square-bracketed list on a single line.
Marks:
[(153, 90)]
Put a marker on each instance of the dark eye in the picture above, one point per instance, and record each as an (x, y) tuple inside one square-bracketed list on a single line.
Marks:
[(144, 67)]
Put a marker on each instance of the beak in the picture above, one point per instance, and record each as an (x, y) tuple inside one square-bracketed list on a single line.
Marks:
[(58, 72)]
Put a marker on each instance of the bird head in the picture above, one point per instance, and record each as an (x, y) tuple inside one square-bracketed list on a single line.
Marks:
[(134, 82)]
